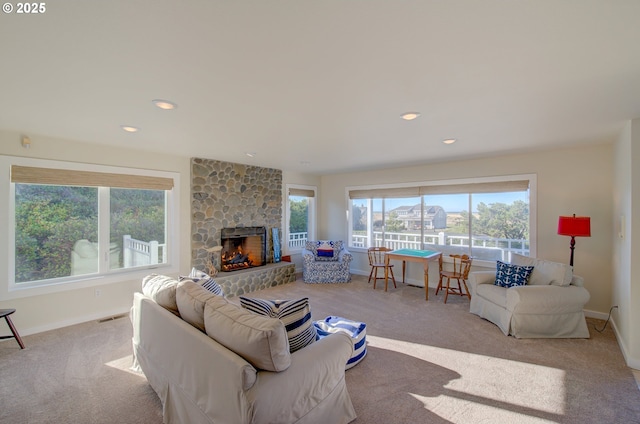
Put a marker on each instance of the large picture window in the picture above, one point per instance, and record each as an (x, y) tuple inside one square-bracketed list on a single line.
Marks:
[(73, 224), (485, 218)]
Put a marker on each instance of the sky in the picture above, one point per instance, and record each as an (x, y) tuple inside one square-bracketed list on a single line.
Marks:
[(453, 202)]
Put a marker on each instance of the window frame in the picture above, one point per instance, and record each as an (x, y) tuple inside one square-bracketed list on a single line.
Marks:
[(11, 289), (312, 218), (412, 187)]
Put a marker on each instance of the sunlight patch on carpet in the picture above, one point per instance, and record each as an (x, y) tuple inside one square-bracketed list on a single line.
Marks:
[(124, 364), (511, 387), (452, 410)]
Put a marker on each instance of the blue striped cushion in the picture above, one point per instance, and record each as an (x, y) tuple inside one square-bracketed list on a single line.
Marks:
[(294, 314), (357, 331), (205, 281)]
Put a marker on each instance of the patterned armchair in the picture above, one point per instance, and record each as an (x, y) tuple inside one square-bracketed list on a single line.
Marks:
[(326, 261)]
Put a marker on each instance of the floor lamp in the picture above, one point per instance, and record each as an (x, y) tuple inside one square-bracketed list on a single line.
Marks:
[(574, 226)]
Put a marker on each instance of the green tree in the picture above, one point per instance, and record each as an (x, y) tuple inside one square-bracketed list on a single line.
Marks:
[(501, 220), (50, 219), (393, 224), (298, 218)]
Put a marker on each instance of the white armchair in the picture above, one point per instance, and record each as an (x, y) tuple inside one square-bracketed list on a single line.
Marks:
[(540, 310)]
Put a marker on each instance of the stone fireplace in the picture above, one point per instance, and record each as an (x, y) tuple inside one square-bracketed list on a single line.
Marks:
[(227, 195), (231, 195), (242, 248)]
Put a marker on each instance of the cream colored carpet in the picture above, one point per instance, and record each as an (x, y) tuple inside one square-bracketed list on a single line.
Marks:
[(427, 362)]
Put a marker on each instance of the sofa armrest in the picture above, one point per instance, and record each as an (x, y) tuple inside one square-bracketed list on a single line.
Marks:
[(482, 277), (315, 372), (546, 299)]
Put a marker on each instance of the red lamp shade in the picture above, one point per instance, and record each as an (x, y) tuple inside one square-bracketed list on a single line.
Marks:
[(575, 226)]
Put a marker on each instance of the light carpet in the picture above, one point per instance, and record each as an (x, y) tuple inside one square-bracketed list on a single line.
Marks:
[(427, 362)]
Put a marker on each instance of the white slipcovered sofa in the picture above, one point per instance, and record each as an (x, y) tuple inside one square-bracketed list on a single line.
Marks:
[(550, 305), (180, 331)]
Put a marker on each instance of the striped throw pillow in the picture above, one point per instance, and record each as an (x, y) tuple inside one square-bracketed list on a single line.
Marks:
[(205, 281), (294, 314)]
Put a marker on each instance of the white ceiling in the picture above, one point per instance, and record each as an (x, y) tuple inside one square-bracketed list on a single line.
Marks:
[(319, 86)]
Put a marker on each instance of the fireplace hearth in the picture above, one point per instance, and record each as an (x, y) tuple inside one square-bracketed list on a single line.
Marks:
[(242, 248)]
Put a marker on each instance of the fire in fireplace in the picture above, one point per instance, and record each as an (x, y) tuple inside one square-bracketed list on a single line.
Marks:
[(243, 247)]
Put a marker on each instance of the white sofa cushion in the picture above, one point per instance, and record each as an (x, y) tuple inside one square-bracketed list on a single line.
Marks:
[(294, 314), (545, 272), (162, 290), (261, 341), (191, 298)]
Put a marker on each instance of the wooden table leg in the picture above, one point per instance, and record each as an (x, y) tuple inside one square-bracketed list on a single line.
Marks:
[(404, 266), (426, 279)]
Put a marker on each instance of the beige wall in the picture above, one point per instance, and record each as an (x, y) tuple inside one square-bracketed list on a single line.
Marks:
[(44, 312), (572, 180), (626, 249)]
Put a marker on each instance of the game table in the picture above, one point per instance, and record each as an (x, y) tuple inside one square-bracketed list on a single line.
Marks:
[(411, 255)]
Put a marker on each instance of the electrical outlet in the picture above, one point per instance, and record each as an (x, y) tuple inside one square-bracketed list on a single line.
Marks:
[(98, 292)]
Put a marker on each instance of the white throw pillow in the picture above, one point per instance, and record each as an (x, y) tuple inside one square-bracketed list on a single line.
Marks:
[(162, 290), (545, 272), (261, 341)]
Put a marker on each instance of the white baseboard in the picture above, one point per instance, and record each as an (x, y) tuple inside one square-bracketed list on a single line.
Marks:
[(73, 321), (630, 360), (595, 314)]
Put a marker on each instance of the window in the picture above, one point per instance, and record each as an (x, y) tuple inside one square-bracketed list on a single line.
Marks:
[(486, 218), (71, 223), (301, 212)]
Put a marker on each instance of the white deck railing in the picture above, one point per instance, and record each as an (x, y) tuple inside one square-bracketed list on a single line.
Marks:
[(487, 247), (139, 253)]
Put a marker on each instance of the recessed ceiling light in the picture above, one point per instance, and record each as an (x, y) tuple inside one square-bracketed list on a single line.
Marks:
[(164, 104), (410, 116), (129, 128), (449, 141), (250, 154)]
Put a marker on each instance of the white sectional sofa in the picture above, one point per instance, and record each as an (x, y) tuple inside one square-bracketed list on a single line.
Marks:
[(550, 305), (199, 380)]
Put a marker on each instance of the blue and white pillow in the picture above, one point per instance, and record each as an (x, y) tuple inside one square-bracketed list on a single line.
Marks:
[(294, 314), (325, 250), (205, 281), (508, 275)]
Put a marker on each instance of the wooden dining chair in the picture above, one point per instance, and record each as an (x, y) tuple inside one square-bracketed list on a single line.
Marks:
[(460, 272), (377, 261)]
